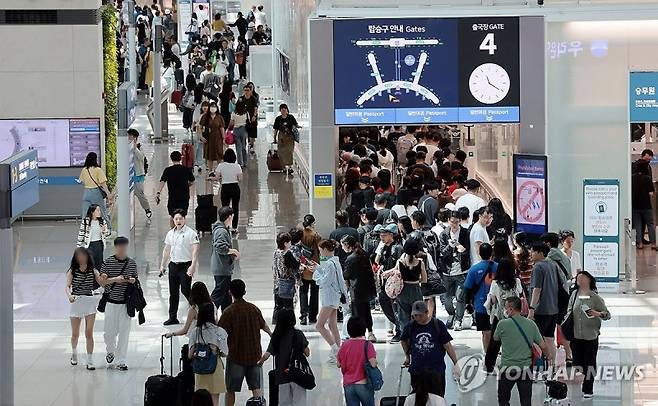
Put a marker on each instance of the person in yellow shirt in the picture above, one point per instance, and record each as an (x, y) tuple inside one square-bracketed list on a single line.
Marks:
[(218, 25), (96, 191)]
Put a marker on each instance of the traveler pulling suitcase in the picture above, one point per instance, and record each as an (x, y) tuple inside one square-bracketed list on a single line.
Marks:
[(205, 213), (273, 160), (395, 400), (187, 150), (162, 390)]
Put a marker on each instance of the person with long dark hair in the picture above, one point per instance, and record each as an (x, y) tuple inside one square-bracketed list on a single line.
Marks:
[(199, 296), (93, 232), (200, 140), (309, 255), (504, 285), (523, 261), (81, 281), (208, 332), (423, 393), (213, 124), (96, 192), (501, 222), (284, 274), (226, 100), (284, 126), (361, 280), (286, 339), (588, 310), (501, 250), (188, 103), (238, 120), (229, 175)]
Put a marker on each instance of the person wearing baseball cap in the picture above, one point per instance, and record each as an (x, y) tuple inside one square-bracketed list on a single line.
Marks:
[(387, 254), (420, 356)]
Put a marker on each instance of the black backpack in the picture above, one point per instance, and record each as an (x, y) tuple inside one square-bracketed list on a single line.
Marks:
[(146, 166)]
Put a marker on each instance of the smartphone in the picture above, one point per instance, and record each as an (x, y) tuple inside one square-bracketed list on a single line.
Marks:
[(586, 308)]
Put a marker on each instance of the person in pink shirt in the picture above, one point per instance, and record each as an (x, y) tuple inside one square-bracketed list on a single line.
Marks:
[(351, 361)]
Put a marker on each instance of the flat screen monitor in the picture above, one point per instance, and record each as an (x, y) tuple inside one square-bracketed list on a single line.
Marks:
[(60, 142)]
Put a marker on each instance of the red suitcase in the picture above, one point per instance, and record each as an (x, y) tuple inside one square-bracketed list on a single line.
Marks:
[(273, 161), (187, 150)]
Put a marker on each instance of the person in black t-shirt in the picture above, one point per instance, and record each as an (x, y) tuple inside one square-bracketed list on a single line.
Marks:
[(178, 179), (642, 194)]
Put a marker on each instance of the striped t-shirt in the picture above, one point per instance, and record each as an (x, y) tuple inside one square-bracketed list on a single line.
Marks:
[(83, 282), (112, 268)]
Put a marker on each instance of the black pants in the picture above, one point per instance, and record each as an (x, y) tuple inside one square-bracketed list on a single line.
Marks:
[(280, 304), (386, 304), (584, 357), (188, 115), (178, 280), (439, 390), (230, 194), (523, 382), (362, 310), (492, 349), (96, 248), (309, 305), (242, 68), (220, 296)]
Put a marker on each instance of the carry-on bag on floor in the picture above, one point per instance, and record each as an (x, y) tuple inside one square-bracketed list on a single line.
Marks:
[(185, 378), (162, 390), (205, 213), (187, 151), (273, 161), (273, 387), (395, 400)]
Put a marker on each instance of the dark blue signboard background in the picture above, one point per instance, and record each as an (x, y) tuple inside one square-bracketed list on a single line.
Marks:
[(354, 74)]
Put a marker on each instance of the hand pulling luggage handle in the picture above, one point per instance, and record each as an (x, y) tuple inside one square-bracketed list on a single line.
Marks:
[(171, 355)]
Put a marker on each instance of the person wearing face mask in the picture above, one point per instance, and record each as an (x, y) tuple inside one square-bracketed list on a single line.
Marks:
[(516, 335), (213, 132), (504, 285)]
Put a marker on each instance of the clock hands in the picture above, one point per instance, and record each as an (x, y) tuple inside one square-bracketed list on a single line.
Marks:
[(492, 85)]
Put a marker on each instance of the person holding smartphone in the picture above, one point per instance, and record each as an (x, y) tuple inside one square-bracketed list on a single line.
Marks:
[(588, 310)]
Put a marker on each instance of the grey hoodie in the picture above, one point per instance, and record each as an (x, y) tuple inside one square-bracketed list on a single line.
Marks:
[(221, 263)]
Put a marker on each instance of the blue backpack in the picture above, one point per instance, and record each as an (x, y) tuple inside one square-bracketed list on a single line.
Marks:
[(204, 358)]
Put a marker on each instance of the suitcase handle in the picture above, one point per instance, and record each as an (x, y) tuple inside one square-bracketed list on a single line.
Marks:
[(397, 398), (171, 354)]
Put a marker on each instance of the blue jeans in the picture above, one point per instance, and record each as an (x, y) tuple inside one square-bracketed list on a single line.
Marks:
[(94, 196), (359, 395), (198, 150), (240, 135)]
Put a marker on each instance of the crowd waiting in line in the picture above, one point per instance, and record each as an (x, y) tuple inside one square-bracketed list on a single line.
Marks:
[(396, 248)]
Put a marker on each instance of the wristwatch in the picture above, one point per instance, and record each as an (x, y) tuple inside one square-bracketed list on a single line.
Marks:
[(531, 307)]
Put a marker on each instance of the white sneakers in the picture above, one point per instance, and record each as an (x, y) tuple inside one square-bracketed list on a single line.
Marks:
[(457, 326), (74, 359)]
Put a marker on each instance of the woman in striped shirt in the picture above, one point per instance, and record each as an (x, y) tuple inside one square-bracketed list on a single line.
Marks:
[(92, 234), (81, 281)]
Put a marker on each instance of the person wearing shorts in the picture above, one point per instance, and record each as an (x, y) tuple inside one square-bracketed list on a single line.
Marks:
[(476, 289), (243, 322), (544, 286)]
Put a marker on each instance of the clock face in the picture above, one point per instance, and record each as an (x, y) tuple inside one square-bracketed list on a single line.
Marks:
[(489, 83)]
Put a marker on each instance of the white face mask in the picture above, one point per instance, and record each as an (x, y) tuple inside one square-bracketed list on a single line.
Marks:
[(213, 110)]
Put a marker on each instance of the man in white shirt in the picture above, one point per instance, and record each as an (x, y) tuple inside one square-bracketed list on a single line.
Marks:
[(479, 234), (471, 200), (182, 248), (260, 17), (431, 142)]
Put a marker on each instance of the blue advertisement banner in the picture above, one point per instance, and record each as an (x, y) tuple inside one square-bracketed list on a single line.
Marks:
[(643, 97), (530, 193)]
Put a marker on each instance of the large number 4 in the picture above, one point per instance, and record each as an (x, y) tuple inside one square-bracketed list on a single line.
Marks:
[(488, 44)]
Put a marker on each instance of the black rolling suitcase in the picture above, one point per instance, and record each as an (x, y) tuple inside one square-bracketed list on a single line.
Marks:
[(273, 387), (162, 390), (185, 378), (205, 213), (395, 400), (273, 161)]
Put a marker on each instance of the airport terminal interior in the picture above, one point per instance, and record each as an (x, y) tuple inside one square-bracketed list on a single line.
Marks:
[(474, 137)]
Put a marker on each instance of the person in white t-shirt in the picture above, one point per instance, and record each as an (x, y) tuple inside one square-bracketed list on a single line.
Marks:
[(229, 175), (181, 251), (567, 239), (478, 234), (471, 198)]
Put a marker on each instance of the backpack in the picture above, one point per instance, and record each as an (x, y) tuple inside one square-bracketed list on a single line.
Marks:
[(404, 145), (370, 242), (204, 358)]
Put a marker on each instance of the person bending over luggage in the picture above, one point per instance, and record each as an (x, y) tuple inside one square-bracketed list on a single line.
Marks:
[(423, 393), (199, 296)]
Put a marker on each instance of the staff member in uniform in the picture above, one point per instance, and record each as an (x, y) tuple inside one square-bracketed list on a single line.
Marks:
[(182, 248)]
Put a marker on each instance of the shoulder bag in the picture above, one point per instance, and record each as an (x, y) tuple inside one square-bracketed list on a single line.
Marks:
[(567, 326), (343, 299), (535, 352), (106, 293), (299, 371), (204, 358), (374, 377), (103, 193)]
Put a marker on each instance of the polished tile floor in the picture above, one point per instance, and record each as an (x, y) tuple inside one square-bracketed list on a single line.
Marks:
[(270, 203)]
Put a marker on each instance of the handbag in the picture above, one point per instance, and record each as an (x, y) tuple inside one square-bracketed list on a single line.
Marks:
[(567, 326), (556, 390), (299, 371), (434, 285), (285, 288), (106, 294), (204, 358), (229, 137), (343, 298), (374, 377), (103, 193), (394, 285), (535, 352), (295, 133)]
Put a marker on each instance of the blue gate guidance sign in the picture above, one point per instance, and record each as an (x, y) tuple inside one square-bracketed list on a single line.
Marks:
[(643, 97)]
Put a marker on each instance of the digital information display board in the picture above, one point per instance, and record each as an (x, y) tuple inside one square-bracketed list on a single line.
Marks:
[(426, 70), (19, 183), (60, 143), (530, 193)]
